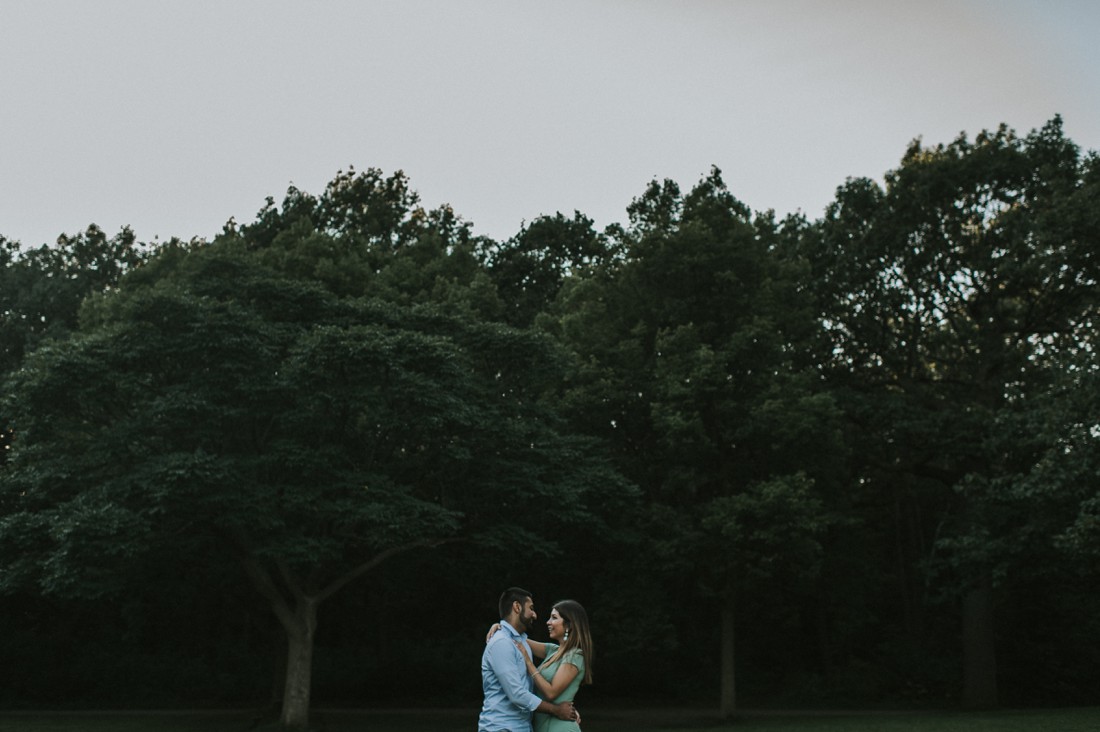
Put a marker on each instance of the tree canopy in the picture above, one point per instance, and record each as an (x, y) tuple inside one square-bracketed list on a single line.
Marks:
[(309, 435), (871, 439)]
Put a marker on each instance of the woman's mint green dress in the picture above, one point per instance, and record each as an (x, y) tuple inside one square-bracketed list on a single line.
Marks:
[(546, 722)]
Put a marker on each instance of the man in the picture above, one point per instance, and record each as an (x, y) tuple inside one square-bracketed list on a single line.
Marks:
[(509, 700)]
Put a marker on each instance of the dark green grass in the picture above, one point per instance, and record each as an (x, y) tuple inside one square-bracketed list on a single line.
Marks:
[(665, 720)]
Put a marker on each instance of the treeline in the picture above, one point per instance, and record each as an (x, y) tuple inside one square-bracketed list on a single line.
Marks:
[(848, 461)]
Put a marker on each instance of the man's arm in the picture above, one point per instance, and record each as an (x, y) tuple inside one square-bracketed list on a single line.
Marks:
[(561, 711), (503, 658)]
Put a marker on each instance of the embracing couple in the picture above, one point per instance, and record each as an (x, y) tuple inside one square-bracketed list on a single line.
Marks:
[(515, 687)]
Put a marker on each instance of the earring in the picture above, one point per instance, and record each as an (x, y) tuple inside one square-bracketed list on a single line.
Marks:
[(566, 636)]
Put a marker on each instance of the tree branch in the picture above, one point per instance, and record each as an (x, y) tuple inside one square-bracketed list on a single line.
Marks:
[(263, 581), (346, 578)]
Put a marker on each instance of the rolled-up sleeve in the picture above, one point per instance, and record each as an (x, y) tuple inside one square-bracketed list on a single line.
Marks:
[(510, 670)]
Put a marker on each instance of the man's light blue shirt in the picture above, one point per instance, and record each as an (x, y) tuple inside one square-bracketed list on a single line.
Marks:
[(509, 700)]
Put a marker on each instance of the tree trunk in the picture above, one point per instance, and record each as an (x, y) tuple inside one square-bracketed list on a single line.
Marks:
[(728, 696), (296, 610), (299, 666), (278, 671), (979, 650)]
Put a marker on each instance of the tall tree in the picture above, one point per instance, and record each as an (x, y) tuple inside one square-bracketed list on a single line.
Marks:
[(946, 292), (212, 399), (695, 370)]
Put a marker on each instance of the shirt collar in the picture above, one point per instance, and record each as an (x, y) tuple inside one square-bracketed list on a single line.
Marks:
[(515, 633)]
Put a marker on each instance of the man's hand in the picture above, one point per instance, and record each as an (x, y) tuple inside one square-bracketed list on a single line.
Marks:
[(565, 711)]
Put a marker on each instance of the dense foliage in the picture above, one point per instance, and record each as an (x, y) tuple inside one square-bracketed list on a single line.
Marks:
[(865, 447)]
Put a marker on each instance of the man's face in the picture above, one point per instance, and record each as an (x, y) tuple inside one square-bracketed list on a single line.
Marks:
[(527, 616)]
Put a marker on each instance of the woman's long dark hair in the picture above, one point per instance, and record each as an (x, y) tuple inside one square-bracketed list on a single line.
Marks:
[(579, 635)]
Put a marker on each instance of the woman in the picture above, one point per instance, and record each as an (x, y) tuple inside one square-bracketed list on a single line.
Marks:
[(568, 662)]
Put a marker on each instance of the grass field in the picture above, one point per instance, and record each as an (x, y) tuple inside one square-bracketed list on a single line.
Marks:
[(1059, 720)]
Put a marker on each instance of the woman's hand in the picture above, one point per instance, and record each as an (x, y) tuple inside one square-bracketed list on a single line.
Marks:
[(492, 629), (531, 667)]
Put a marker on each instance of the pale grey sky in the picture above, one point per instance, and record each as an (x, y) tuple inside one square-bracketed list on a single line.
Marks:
[(171, 116)]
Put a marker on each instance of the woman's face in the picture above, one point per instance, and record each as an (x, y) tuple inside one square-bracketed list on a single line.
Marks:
[(556, 626)]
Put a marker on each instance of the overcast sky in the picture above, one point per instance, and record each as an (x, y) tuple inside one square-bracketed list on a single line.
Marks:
[(173, 116)]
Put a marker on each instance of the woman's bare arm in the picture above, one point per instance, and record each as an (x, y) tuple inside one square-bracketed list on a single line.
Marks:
[(550, 690)]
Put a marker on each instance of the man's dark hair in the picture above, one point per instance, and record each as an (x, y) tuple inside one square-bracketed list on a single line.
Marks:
[(512, 594)]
